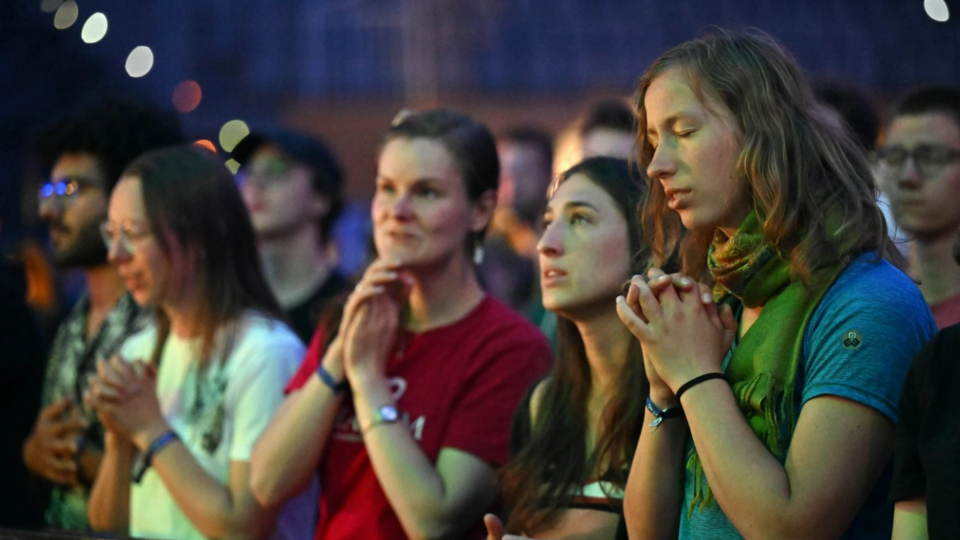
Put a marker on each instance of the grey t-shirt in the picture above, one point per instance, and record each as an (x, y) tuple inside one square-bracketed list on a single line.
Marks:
[(858, 345)]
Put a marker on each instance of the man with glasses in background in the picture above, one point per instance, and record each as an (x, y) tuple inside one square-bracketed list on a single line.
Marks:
[(292, 185), (85, 155), (919, 166)]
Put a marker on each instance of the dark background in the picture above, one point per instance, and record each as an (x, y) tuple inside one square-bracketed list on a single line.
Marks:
[(342, 68)]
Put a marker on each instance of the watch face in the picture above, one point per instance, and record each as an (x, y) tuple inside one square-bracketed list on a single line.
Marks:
[(389, 413)]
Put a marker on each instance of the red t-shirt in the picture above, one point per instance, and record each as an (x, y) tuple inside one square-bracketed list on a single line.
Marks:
[(946, 313), (456, 387)]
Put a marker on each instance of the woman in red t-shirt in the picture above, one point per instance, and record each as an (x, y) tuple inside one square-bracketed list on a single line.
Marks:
[(406, 412)]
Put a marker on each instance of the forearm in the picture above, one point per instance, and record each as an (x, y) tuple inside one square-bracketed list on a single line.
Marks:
[(654, 495), (89, 463), (910, 520), (749, 483), (209, 504), (410, 481), (287, 454), (109, 505)]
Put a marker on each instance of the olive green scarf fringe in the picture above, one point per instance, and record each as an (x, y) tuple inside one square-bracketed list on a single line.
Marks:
[(762, 371)]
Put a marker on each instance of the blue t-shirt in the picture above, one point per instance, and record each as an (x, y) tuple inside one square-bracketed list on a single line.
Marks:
[(858, 345)]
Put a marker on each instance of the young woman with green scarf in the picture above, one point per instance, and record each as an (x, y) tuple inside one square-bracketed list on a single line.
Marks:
[(789, 389)]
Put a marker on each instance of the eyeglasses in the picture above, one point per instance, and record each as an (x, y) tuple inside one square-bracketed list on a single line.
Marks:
[(264, 174), (128, 232), (64, 191), (928, 158)]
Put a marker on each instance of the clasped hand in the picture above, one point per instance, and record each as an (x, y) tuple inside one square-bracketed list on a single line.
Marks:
[(51, 449), (371, 320), (124, 394), (682, 332)]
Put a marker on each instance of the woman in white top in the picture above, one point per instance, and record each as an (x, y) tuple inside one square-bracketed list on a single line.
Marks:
[(182, 413)]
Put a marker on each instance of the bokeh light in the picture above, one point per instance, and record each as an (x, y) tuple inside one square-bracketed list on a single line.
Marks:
[(94, 29), (139, 62), (233, 166), (66, 15), (206, 144), (937, 10), (186, 96), (231, 133), (49, 6)]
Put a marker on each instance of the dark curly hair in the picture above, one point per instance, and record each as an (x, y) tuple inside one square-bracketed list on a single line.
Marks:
[(114, 131)]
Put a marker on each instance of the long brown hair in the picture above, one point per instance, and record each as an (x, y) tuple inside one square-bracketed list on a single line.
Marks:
[(543, 477), (809, 182), (191, 198)]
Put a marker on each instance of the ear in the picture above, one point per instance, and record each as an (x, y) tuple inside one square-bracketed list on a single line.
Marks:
[(483, 210), (319, 205)]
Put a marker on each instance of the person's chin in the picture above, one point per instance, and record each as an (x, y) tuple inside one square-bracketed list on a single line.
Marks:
[(402, 253), (143, 298), (557, 302), (692, 222)]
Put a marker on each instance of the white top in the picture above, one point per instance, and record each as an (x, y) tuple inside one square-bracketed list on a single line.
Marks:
[(218, 413)]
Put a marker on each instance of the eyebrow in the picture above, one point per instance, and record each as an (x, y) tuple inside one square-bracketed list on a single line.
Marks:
[(573, 205), (418, 181), (671, 120)]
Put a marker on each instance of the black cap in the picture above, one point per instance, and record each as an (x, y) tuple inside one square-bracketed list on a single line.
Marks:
[(309, 151)]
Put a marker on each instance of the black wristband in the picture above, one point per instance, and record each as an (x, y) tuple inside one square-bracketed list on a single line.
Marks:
[(697, 380)]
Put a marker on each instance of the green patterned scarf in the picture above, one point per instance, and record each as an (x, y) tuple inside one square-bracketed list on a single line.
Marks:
[(748, 271)]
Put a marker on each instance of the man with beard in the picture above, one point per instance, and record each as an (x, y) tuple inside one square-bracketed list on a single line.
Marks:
[(85, 155)]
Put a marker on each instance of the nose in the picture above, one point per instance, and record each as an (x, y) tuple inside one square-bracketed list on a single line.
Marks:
[(116, 252), (663, 164), (551, 241), (402, 207), (910, 177), (251, 192), (49, 208)]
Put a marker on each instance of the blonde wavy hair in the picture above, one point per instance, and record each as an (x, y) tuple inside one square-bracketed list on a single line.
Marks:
[(809, 181)]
